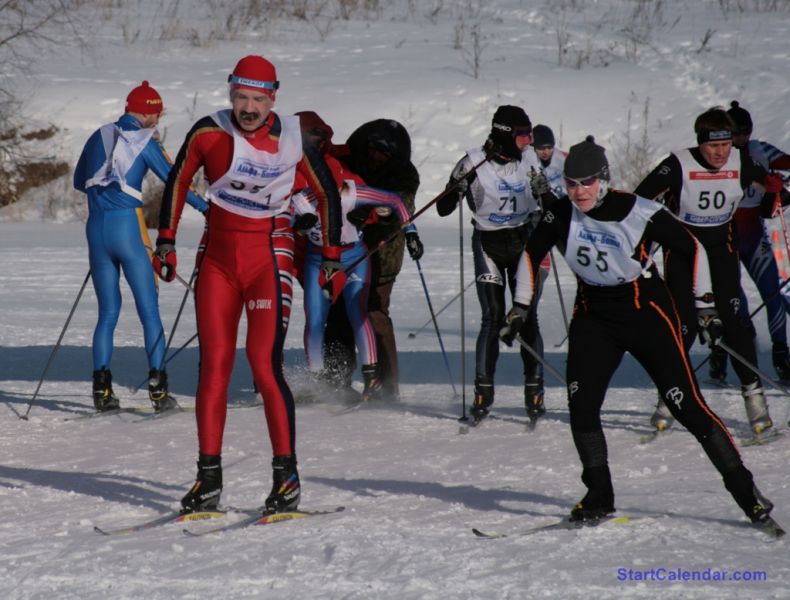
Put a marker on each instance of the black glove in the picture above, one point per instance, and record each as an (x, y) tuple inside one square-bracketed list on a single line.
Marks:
[(514, 321), (538, 183), (305, 222), (414, 245), (710, 326)]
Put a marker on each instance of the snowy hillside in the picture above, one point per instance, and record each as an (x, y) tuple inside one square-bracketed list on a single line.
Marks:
[(411, 484)]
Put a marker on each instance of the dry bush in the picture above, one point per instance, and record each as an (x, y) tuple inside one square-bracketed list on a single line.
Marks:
[(634, 158), (21, 170)]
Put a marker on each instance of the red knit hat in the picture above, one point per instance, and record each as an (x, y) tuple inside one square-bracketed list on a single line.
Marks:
[(144, 100), (254, 73)]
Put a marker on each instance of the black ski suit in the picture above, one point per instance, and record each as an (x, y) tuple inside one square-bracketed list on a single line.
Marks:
[(636, 316)]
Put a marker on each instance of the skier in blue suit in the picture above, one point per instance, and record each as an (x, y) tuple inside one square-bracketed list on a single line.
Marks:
[(110, 171)]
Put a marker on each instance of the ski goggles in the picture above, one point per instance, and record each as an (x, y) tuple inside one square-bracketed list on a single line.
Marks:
[(522, 131), (585, 183)]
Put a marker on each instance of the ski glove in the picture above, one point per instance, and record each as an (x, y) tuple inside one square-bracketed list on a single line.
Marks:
[(369, 215), (331, 276), (538, 183), (304, 223), (711, 328), (414, 245), (164, 258), (514, 321)]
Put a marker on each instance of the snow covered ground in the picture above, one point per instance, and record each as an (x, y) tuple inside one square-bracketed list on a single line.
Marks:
[(412, 485)]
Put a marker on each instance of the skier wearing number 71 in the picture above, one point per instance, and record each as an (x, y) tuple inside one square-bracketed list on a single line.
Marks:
[(622, 305)]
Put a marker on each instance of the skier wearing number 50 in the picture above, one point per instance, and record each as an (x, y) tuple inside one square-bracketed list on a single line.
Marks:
[(255, 165), (703, 187), (622, 305)]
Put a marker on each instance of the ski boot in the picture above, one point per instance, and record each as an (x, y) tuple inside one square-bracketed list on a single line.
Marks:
[(161, 400), (205, 492), (104, 398), (484, 398), (740, 484), (662, 419), (781, 361), (756, 407), (718, 365), (372, 389), (533, 399), (286, 490), (599, 500)]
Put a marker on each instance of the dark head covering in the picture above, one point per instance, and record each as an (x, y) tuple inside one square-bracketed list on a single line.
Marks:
[(542, 137), (741, 117), (508, 122), (587, 159)]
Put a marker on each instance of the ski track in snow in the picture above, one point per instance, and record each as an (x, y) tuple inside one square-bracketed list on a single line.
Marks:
[(412, 485)]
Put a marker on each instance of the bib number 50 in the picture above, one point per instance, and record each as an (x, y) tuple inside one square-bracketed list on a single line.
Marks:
[(705, 200)]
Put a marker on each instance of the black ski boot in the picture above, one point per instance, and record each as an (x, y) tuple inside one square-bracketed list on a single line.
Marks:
[(781, 361), (104, 398), (160, 398), (741, 485), (533, 399), (205, 492), (718, 364), (599, 500), (484, 398), (373, 385), (286, 490)]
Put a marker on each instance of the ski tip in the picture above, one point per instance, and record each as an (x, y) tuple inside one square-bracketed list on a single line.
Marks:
[(99, 530), (487, 536), (771, 527), (189, 533), (622, 519)]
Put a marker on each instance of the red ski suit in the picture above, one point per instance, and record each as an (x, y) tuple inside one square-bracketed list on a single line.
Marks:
[(241, 267)]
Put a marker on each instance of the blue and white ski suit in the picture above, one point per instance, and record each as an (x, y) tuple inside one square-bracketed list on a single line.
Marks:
[(110, 171)]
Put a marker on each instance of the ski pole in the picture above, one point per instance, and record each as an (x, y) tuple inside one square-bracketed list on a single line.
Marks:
[(432, 318), (463, 419), (57, 346), (541, 360), (167, 360), (436, 326), (751, 315), (562, 301), (752, 367), (175, 324)]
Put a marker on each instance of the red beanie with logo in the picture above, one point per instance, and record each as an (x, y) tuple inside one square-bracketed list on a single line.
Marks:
[(144, 100), (255, 73)]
